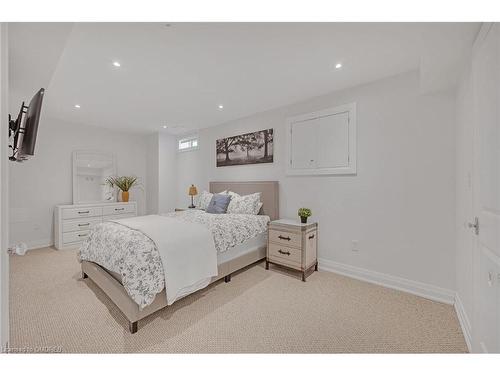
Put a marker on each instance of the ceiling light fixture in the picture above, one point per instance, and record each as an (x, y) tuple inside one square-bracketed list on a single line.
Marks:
[(221, 106), (338, 66), (164, 126), (77, 105), (117, 64)]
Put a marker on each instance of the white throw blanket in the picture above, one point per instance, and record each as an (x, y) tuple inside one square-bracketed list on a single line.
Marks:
[(187, 252)]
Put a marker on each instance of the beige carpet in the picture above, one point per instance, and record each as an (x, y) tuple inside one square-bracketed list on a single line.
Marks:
[(258, 311)]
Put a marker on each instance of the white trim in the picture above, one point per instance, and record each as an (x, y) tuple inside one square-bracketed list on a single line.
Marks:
[(464, 321), (37, 244), (344, 170), (417, 288)]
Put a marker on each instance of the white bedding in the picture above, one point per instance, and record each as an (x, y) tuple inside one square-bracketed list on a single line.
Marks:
[(187, 252), (135, 255)]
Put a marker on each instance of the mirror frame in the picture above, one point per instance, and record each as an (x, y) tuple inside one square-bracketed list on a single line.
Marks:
[(75, 180)]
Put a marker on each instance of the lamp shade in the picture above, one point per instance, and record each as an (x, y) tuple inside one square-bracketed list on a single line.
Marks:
[(192, 190)]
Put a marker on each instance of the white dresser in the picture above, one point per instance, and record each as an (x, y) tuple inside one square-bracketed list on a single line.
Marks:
[(72, 222)]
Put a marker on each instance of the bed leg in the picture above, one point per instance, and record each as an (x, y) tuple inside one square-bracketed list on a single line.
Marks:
[(132, 327), (316, 266), (227, 278), (84, 275)]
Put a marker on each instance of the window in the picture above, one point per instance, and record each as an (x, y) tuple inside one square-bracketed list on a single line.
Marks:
[(323, 142), (188, 144)]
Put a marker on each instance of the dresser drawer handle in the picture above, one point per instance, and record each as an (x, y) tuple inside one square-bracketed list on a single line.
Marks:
[(119, 209), (84, 225), (284, 238), (83, 235), (311, 236), (284, 252), (84, 212)]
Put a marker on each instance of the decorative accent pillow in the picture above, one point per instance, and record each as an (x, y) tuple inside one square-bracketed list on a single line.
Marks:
[(246, 204), (218, 204), (204, 200)]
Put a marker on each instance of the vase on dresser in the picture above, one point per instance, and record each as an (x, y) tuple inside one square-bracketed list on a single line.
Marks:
[(125, 196)]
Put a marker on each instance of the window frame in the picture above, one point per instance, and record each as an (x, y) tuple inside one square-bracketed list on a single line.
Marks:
[(351, 168), (190, 139)]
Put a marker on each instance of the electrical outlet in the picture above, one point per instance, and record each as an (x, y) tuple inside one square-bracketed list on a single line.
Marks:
[(355, 245)]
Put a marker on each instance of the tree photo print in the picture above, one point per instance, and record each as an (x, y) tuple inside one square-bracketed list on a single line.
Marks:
[(250, 148)]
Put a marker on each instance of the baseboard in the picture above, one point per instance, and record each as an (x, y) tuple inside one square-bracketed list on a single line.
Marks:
[(414, 287), (464, 321), (38, 244)]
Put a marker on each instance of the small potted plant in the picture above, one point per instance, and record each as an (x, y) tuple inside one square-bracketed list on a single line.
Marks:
[(304, 213), (124, 183)]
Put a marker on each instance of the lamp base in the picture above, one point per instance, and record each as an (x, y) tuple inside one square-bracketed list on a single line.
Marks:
[(191, 206)]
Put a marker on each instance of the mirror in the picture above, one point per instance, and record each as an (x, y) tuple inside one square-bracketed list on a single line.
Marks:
[(90, 170)]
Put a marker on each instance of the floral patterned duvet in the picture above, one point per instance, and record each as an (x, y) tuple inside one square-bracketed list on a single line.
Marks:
[(134, 256)]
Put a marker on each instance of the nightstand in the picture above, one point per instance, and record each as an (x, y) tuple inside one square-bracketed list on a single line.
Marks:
[(292, 244)]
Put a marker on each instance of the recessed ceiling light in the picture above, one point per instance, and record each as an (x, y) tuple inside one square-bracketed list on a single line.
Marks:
[(221, 106), (164, 126), (77, 105), (338, 65), (117, 64)]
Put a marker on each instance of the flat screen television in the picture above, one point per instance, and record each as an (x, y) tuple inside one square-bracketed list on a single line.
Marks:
[(25, 128)]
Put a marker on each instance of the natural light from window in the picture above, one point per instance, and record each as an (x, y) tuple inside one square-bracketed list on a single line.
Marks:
[(187, 144)]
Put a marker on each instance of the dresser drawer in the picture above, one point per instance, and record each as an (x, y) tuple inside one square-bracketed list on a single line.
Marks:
[(285, 238), (75, 236), (117, 209), (117, 217), (286, 253), (79, 224), (75, 213)]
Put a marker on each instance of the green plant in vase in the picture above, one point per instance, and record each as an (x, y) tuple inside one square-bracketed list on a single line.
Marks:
[(304, 213), (124, 183)]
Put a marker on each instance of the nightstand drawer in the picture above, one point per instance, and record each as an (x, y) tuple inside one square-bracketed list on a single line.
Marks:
[(289, 254), (285, 238)]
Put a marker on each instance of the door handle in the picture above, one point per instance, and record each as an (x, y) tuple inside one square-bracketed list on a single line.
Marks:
[(474, 225)]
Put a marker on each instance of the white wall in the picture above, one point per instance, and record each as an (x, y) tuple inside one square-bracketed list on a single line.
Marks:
[(4, 226), (464, 201), (400, 205), (39, 184), (153, 173), (167, 165)]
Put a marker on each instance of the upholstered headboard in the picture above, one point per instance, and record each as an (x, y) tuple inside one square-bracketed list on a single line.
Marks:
[(269, 190)]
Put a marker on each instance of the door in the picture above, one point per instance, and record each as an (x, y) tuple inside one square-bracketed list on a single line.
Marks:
[(486, 87)]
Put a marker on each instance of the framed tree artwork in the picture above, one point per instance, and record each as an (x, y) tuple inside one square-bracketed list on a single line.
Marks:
[(249, 148)]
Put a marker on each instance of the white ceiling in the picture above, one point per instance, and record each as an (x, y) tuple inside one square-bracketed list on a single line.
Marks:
[(177, 75)]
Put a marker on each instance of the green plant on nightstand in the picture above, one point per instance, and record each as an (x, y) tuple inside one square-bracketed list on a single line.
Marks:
[(304, 213)]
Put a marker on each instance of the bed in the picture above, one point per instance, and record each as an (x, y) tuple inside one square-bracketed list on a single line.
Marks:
[(250, 251)]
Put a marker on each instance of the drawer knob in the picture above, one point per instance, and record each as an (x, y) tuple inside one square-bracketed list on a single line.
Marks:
[(83, 212), (119, 209), (83, 225), (284, 252), (311, 236), (83, 235), (284, 238)]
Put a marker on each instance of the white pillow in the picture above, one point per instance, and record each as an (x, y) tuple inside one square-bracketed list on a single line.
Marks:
[(204, 199), (246, 204)]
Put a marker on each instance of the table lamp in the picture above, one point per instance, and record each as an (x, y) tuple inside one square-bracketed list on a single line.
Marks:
[(192, 192)]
